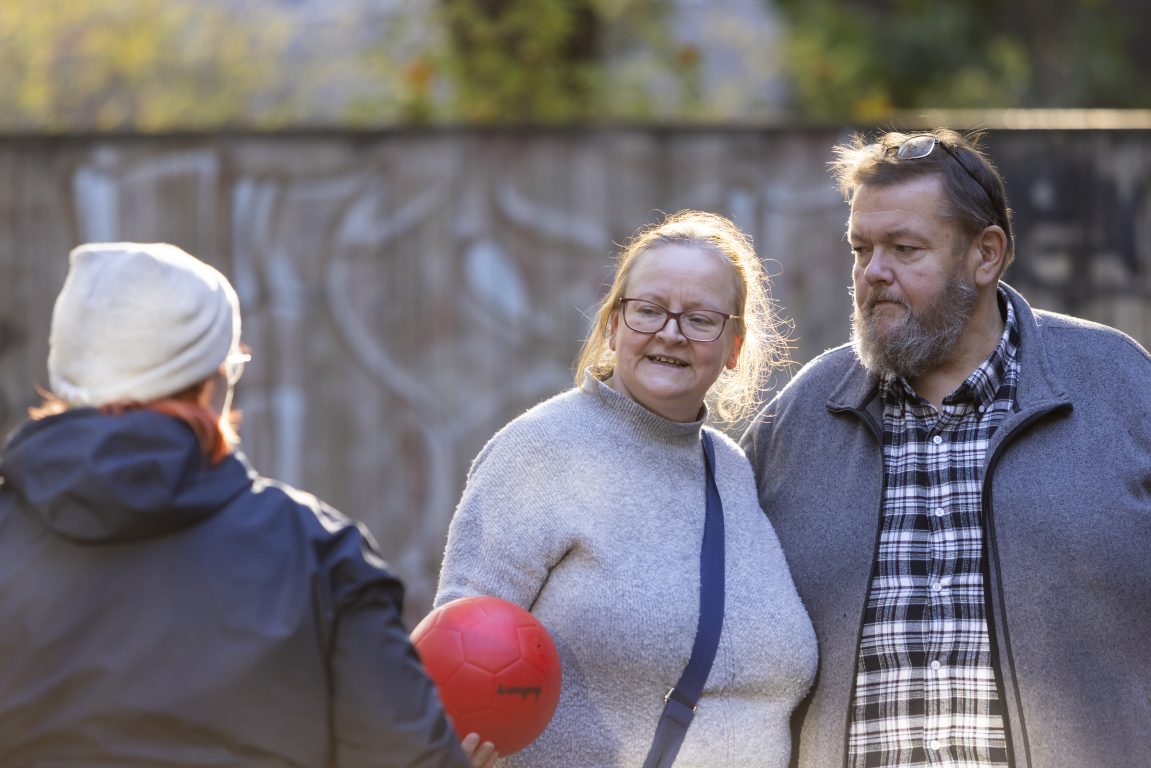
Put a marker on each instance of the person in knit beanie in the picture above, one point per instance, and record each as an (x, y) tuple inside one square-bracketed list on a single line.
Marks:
[(148, 324), (137, 321), (160, 603)]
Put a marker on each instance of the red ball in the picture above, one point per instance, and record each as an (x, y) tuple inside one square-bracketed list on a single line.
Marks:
[(496, 667)]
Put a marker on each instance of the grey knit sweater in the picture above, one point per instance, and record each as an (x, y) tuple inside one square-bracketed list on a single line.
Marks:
[(588, 510)]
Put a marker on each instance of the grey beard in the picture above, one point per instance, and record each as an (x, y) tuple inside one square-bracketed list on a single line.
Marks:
[(922, 341)]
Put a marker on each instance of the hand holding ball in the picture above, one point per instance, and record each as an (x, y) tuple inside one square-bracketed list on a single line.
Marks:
[(496, 668)]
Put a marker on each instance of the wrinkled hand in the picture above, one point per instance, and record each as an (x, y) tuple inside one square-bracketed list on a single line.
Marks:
[(482, 755)]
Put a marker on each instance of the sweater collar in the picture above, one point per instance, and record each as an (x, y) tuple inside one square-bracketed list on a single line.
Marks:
[(633, 418)]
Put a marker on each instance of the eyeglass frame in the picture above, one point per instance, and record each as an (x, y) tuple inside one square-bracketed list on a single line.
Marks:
[(901, 154), (669, 316), (234, 365)]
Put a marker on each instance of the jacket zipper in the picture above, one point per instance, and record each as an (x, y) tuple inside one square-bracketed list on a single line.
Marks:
[(877, 433), (993, 592)]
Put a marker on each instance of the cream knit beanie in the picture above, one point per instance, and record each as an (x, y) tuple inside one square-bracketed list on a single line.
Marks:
[(138, 321)]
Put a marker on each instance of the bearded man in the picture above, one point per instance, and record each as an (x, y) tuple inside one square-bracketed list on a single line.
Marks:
[(963, 493)]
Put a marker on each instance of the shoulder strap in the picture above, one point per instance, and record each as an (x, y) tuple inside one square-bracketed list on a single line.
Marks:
[(680, 701)]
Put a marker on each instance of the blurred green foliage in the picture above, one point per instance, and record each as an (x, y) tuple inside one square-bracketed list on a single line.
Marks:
[(140, 64), (153, 65), (508, 58), (859, 60), (549, 61)]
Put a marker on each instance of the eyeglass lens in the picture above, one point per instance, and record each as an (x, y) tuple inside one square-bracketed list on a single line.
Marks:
[(916, 147), (694, 324)]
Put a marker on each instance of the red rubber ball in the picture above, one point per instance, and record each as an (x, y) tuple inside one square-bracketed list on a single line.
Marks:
[(496, 668)]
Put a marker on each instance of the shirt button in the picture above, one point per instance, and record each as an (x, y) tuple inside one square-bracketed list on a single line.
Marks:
[(940, 511), (935, 664), (936, 744), (936, 586), (937, 439)]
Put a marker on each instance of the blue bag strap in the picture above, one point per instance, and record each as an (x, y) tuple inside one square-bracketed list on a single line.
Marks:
[(680, 702)]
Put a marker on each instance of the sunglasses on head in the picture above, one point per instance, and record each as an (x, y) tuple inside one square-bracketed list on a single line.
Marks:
[(921, 146)]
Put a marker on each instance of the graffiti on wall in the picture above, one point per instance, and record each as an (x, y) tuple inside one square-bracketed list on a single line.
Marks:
[(406, 295)]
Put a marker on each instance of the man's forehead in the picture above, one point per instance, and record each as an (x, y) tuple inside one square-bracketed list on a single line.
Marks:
[(916, 191), (879, 230), (907, 208)]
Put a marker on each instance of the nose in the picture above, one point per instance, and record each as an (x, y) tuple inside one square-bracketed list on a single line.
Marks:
[(877, 270), (670, 331)]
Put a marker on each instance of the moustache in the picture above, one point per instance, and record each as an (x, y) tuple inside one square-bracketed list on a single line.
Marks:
[(884, 297)]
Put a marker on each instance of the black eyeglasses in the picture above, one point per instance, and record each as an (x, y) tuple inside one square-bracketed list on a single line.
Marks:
[(924, 144), (695, 324)]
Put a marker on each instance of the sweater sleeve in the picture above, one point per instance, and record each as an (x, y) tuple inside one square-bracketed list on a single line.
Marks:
[(506, 534)]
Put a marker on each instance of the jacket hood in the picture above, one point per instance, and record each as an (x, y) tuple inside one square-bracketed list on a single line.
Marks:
[(93, 477)]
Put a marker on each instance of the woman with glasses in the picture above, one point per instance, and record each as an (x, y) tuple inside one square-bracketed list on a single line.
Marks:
[(160, 604), (589, 510)]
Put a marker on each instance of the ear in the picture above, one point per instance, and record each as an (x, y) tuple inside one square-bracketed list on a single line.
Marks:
[(991, 246), (736, 346)]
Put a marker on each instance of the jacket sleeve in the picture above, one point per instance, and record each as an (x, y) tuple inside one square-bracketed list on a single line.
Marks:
[(385, 712), (758, 434)]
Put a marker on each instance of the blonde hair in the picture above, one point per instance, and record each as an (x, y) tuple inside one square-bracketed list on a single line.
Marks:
[(738, 391)]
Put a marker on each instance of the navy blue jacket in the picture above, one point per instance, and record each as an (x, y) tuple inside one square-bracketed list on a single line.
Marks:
[(156, 610)]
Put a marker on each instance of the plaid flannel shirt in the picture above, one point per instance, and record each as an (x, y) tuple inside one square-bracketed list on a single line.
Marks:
[(925, 689)]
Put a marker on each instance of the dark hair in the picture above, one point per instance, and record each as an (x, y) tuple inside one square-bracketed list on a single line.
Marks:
[(972, 186)]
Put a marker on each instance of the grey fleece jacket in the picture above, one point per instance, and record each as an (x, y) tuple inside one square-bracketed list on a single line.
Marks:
[(1067, 515), (588, 510)]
